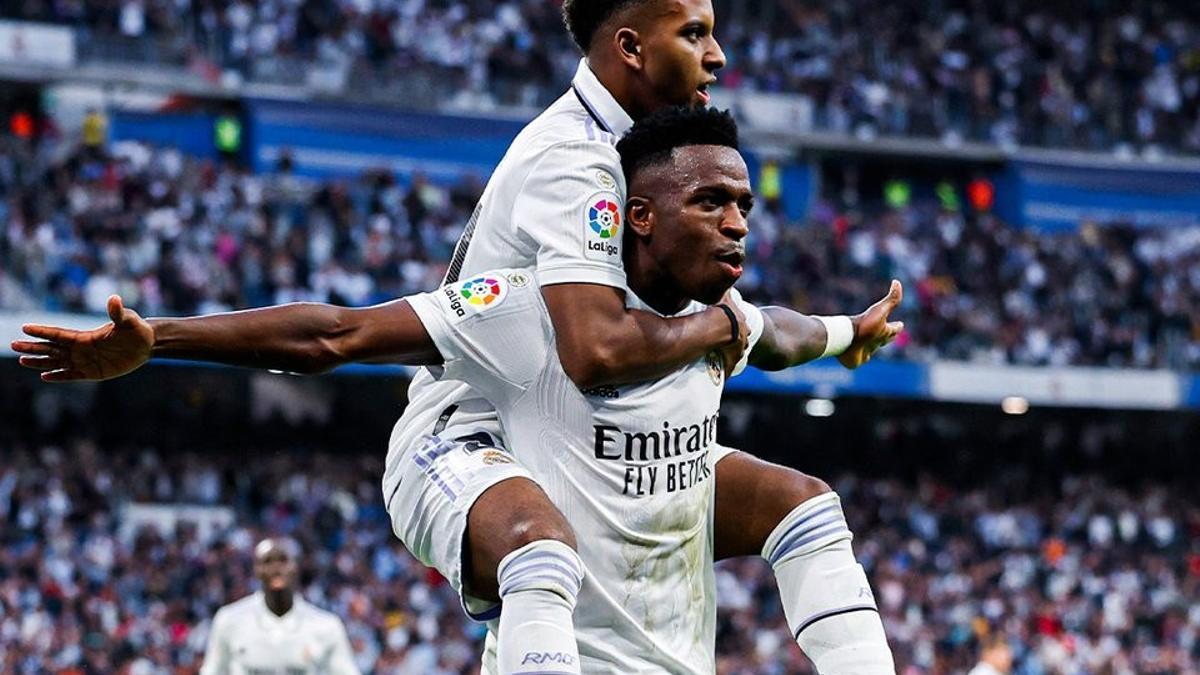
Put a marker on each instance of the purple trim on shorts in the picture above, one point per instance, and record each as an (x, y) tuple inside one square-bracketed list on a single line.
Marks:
[(425, 458)]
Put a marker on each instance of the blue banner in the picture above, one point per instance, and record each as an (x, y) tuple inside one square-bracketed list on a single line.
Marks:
[(827, 378), (1060, 197), (332, 140), (1191, 397), (191, 133)]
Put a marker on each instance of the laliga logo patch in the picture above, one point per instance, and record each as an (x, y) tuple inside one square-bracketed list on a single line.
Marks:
[(604, 217), (602, 227), (482, 291), (476, 295)]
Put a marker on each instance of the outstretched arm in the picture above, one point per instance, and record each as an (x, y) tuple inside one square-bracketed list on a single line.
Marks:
[(302, 338), (790, 338)]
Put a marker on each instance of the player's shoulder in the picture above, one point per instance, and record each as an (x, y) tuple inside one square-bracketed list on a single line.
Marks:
[(564, 127), (318, 616), (238, 608)]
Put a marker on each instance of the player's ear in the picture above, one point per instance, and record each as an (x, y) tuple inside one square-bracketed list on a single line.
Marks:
[(640, 216), (629, 47)]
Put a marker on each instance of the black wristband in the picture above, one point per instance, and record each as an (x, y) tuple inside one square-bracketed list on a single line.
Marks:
[(733, 323)]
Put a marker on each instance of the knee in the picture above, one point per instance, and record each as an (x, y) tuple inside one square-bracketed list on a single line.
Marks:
[(795, 488), (527, 528)]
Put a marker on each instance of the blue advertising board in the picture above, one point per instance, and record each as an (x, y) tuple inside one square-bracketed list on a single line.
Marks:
[(191, 133), (827, 378), (1060, 197), (331, 140)]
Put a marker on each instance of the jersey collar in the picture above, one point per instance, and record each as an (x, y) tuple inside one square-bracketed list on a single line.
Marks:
[(599, 102)]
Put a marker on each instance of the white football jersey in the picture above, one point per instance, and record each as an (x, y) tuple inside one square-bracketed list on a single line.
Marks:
[(555, 202), (631, 467), (247, 638)]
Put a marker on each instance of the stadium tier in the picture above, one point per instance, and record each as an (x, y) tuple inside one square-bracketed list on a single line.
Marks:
[(1093, 75)]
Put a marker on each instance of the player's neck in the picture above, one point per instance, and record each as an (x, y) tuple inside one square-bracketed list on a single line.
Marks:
[(650, 282), (279, 602), (616, 79)]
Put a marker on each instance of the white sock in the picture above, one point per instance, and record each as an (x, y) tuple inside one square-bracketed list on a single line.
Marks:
[(538, 586), (826, 597)]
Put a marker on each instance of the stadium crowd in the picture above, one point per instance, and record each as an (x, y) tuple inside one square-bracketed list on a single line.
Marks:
[(174, 235), (1084, 577), (1093, 75)]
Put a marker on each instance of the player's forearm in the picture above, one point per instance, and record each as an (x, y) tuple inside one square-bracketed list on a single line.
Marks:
[(600, 342), (641, 346), (789, 339), (298, 338)]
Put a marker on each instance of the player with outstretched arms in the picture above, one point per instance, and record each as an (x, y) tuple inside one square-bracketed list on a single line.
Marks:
[(632, 467), (554, 203), (275, 630)]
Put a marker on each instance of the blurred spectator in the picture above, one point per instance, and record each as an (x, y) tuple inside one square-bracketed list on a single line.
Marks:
[(995, 658), (95, 133)]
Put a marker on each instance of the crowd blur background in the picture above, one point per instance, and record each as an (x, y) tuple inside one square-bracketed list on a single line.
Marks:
[(183, 157)]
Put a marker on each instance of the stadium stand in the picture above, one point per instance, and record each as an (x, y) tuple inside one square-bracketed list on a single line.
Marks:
[(1080, 576), (178, 235), (1088, 75)]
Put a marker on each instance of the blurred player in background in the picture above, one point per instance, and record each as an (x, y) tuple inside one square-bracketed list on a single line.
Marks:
[(275, 630)]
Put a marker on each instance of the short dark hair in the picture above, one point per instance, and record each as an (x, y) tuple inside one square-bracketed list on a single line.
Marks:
[(652, 139), (584, 17)]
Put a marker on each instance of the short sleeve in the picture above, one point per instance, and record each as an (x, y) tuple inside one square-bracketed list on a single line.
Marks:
[(754, 323), (341, 656), (492, 330), (572, 206), (216, 654)]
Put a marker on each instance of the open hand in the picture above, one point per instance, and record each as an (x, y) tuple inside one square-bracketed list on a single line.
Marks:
[(107, 352), (872, 330)]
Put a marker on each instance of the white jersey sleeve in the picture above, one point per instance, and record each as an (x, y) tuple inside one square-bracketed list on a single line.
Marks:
[(216, 654), (492, 330), (754, 323), (572, 206)]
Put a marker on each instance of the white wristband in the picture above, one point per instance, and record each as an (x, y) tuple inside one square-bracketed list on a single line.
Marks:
[(839, 333)]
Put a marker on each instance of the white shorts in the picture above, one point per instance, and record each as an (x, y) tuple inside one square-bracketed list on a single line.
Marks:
[(440, 478), (439, 481)]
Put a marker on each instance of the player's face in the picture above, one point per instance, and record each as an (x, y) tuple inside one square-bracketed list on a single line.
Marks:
[(700, 214), (275, 569), (681, 54)]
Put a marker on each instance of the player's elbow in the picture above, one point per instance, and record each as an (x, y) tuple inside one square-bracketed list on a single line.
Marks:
[(337, 343)]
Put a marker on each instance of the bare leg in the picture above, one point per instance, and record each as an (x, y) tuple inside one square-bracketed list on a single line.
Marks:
[(795, 521), (520, 550)]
